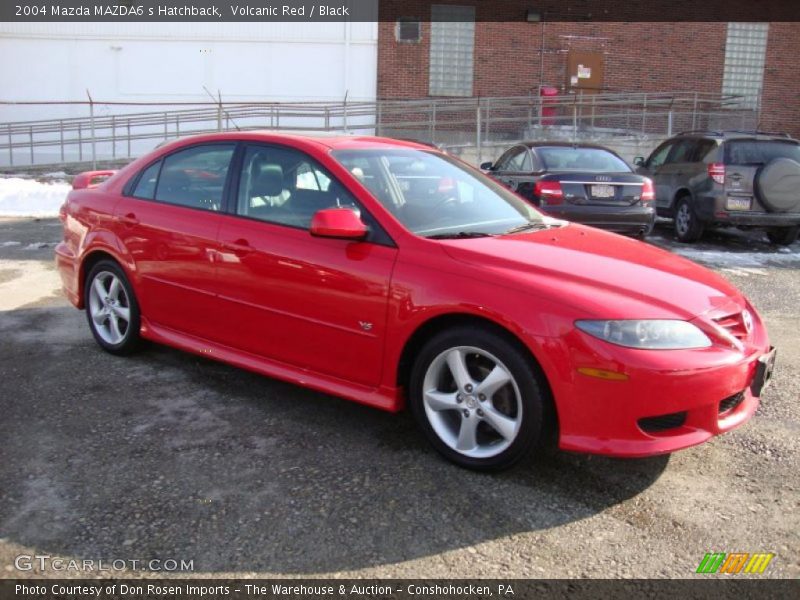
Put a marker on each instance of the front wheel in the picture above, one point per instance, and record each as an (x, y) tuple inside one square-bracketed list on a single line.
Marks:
[(111, 308), (477, 398), (783, 236)]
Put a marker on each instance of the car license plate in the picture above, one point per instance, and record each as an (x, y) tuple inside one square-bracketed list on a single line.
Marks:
[(763, 375), (602, 191), (737, 204)]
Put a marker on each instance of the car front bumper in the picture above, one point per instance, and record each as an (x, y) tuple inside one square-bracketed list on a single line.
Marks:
[(669, 400)]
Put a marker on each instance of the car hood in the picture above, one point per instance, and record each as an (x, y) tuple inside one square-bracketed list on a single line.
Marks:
[(602, 274)]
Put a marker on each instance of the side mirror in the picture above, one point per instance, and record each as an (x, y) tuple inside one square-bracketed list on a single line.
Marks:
[(639, 161), (487, 166), (341, 223)]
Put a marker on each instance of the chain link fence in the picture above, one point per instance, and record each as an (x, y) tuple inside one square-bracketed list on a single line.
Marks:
[(471, 127)]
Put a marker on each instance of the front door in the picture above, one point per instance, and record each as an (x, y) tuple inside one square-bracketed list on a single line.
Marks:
[(314, 303)]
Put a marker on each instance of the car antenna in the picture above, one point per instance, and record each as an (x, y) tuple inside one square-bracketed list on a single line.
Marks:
[(218, 100)]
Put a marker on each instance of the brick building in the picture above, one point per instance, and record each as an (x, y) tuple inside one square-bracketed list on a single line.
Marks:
[(478, 55)]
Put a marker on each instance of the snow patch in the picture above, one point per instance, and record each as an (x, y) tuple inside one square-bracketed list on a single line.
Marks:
[(27, 198), (738, 260), (9, 244)]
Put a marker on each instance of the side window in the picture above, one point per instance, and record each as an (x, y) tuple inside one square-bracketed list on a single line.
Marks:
[(195, 177), (507, 162), (682, 152), (527, 161), (146, 186), (287, 187), (516, 163), (703, 148), (658, 157)]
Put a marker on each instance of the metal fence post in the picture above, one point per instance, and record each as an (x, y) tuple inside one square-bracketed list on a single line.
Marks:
[(61, 137), (478, 131), (91, 123), (574, 119), (113, 138), (10, 148), (378, 116), (669, 124), (30, 132), (166, 120), (694, 113), (433, 122), (80, 142), (129, 137)]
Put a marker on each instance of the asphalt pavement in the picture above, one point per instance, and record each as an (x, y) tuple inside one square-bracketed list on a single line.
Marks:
[(168, 456)]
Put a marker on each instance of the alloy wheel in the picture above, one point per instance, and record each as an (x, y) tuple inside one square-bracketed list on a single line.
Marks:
[(472, 402), (109, 307)]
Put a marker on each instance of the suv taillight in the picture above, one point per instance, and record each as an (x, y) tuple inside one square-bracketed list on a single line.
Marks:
[(549, 192), (717, 172), (648, 191)]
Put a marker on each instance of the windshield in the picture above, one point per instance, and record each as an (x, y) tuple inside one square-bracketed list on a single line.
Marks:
[(759, 152), (434, 195), (567, 158)]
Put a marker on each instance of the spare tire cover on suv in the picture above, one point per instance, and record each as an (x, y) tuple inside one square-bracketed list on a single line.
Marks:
[(778, 185)]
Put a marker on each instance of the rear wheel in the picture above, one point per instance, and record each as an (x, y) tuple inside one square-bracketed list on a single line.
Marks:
[(112, 309), (688, 227), (783, 236), (477, 398)]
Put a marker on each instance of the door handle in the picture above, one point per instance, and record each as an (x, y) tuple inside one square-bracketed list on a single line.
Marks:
[(239, 247), (129, 220)]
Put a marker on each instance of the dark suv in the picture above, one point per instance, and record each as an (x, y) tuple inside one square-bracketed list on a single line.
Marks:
[(747, 179)]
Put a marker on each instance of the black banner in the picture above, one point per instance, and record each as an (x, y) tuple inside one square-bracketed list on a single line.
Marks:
[(416, 589), (391, 10)]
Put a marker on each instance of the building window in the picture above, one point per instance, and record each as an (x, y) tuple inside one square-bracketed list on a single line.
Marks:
[(408, 29), (745, 52), (452, 50)]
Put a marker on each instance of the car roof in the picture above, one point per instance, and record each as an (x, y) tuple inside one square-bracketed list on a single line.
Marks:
[(321, 139), (539, 144), (737, 134)]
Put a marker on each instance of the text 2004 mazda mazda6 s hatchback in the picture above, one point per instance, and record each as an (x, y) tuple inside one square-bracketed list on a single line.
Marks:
[(389, 273)]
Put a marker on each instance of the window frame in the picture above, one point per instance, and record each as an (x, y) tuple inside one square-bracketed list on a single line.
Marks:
[(670, 144)]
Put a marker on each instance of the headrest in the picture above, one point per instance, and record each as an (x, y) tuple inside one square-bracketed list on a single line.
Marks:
[(268, 181)]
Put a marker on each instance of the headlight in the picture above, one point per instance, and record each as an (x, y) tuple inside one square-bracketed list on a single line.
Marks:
[(647, 335)]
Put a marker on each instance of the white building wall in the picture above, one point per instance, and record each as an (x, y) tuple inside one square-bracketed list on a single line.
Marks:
[(173, 62)]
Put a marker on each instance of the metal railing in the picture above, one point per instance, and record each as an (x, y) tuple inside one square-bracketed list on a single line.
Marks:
[(106, 134)]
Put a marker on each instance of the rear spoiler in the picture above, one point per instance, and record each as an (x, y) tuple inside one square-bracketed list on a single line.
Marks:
[(88, 179)]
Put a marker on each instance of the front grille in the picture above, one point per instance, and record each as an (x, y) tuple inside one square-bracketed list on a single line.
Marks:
[(730, 403), (663, 422), (733, 324)]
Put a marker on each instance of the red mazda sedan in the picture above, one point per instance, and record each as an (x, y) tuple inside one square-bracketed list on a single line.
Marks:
[(389, 273)]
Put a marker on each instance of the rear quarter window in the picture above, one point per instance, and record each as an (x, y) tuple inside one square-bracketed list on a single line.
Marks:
[(759, 152)]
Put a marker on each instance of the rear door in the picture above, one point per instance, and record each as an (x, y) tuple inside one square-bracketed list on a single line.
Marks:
[(314, 303), (653, 168), (168, 222)]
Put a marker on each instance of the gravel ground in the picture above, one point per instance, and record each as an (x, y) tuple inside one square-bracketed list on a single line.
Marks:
[(165, 455)]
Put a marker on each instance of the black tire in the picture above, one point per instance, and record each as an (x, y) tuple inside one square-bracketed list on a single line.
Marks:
[(531, 404), (130, 340), (783, 236), (688, 228)]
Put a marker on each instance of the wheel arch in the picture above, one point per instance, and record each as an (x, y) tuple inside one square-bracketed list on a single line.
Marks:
[(90, 259), (438, 323), (681, 192)]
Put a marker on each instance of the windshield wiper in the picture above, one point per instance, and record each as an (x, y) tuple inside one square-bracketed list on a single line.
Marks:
[(527, 227), (459, 235)]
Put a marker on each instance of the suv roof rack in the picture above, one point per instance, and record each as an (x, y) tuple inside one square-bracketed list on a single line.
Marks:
[(725, 132)]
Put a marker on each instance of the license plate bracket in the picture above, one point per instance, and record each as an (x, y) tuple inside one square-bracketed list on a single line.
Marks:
[(764, 368), (602, 191)]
